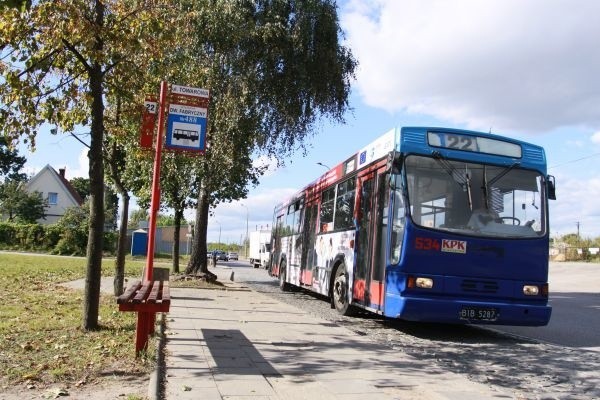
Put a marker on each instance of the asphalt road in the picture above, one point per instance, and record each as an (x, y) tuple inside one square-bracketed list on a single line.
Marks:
[(575, 300), (574, 296)]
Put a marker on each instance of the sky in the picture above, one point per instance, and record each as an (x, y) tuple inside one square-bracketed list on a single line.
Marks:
[(527, 69)]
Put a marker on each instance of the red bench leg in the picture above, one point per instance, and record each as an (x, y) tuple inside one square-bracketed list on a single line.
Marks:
[(144, 328)]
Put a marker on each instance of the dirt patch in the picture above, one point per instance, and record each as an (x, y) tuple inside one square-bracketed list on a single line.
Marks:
[(199, 281), (106, 388)]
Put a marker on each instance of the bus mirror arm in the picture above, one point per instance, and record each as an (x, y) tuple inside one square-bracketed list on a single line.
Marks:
[(551, 183), (394, 162)]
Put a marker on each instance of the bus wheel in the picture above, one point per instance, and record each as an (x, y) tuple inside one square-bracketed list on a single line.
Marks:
[(283, 285), (340, 291)]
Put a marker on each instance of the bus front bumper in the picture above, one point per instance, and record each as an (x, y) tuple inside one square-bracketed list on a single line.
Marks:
[(458, 311)]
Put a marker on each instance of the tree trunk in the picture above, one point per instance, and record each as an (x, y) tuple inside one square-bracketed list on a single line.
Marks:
[(96, 230), (197, 263), (121, 246), (178, 218), (91, 300)]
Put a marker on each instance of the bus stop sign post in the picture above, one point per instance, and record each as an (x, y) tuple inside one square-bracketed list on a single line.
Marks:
[(146, 319), (155, 199), (191, 122)]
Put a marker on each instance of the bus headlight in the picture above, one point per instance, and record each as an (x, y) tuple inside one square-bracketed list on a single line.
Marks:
[(424, 283), (531, 290)]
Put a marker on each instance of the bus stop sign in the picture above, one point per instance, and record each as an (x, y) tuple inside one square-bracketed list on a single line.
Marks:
[(187, 120), (186, 128)]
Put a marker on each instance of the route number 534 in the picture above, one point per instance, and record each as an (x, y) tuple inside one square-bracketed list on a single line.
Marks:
[(427, 244)]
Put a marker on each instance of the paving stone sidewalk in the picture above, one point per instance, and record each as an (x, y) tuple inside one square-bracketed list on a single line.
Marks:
[(240, 344)]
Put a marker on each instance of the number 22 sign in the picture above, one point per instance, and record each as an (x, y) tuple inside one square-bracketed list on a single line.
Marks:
[(148, 122)]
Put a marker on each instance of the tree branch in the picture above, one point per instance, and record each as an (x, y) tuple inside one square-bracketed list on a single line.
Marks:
[(111, 66), (77, 54), (79, 140), (31, 67)]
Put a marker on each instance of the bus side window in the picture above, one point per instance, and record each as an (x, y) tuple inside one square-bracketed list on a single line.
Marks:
[(344, 205), (288, 228), (326, 216), (398, 221), (298, 216)]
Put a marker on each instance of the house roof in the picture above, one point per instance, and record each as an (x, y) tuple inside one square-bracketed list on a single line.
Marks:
[(62, 180)]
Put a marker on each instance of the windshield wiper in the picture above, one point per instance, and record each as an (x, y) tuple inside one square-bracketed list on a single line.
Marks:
[(485, 188), (463, 180), (486, 184), (501, 174)]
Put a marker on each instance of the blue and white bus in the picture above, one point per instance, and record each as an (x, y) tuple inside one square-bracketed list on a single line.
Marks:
[(425, 224)]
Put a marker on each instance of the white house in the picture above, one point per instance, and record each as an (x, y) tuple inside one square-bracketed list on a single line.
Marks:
[(57, 189)]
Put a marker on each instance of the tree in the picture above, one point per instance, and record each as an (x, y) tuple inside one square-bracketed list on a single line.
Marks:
[(17, 204), (21, 5), (31, 207), (74, 227), (82, 186), (11, 163), (58, 61), (115, 156), (274, 69), (178, 185), (136, 217), (111, 208)]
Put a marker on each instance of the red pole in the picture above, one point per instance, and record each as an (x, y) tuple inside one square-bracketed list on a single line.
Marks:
[(155, 200), (145, 320)]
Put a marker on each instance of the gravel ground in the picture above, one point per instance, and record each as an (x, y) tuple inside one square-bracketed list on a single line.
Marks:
[(526, 368)]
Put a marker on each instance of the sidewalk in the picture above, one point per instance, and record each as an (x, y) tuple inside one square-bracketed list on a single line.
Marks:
[(240, 344)]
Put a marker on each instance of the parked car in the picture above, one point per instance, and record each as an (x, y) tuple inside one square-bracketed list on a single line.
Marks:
[(232, 255)]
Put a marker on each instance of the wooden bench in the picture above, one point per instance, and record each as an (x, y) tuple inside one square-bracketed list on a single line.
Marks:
[(150, 296), (147, 299)]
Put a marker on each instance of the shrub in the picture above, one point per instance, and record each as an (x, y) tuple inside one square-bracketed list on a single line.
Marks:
[(52, 236), (8, 234)]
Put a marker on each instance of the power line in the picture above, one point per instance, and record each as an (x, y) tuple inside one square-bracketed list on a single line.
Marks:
[(574, 161)]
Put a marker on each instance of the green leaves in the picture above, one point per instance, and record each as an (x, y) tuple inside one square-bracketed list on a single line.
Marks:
[(17, 204), (21, 5)]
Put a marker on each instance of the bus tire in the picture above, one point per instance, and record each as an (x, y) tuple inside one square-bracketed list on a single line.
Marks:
[(339, 291), (283, 285)]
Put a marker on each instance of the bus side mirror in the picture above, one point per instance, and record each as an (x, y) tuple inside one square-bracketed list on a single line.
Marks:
[(551, 183)]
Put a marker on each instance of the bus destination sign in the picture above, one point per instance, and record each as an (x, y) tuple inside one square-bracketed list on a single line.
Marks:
[(476, 144)]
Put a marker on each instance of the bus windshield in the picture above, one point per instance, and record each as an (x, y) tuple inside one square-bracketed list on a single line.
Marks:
[(475, 199)]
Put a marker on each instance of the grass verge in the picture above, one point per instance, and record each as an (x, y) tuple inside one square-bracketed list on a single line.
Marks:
[(41, 339)]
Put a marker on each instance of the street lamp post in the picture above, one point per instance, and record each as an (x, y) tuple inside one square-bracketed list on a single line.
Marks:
[(219, 242), (246, 241)]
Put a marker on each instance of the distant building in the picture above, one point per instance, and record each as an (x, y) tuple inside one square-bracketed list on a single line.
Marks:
[(56, 188)]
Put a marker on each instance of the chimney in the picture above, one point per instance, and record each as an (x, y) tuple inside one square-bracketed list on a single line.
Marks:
[(61, 172)]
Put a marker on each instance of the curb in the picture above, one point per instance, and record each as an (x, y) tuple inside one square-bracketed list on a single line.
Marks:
[(157, 377)]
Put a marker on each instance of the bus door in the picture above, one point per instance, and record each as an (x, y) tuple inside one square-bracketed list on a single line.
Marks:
[(380, 238), (309, 236), (364, 239), (371, 239)]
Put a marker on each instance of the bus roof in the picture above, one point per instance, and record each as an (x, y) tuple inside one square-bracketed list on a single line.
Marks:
[(414, 140)]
